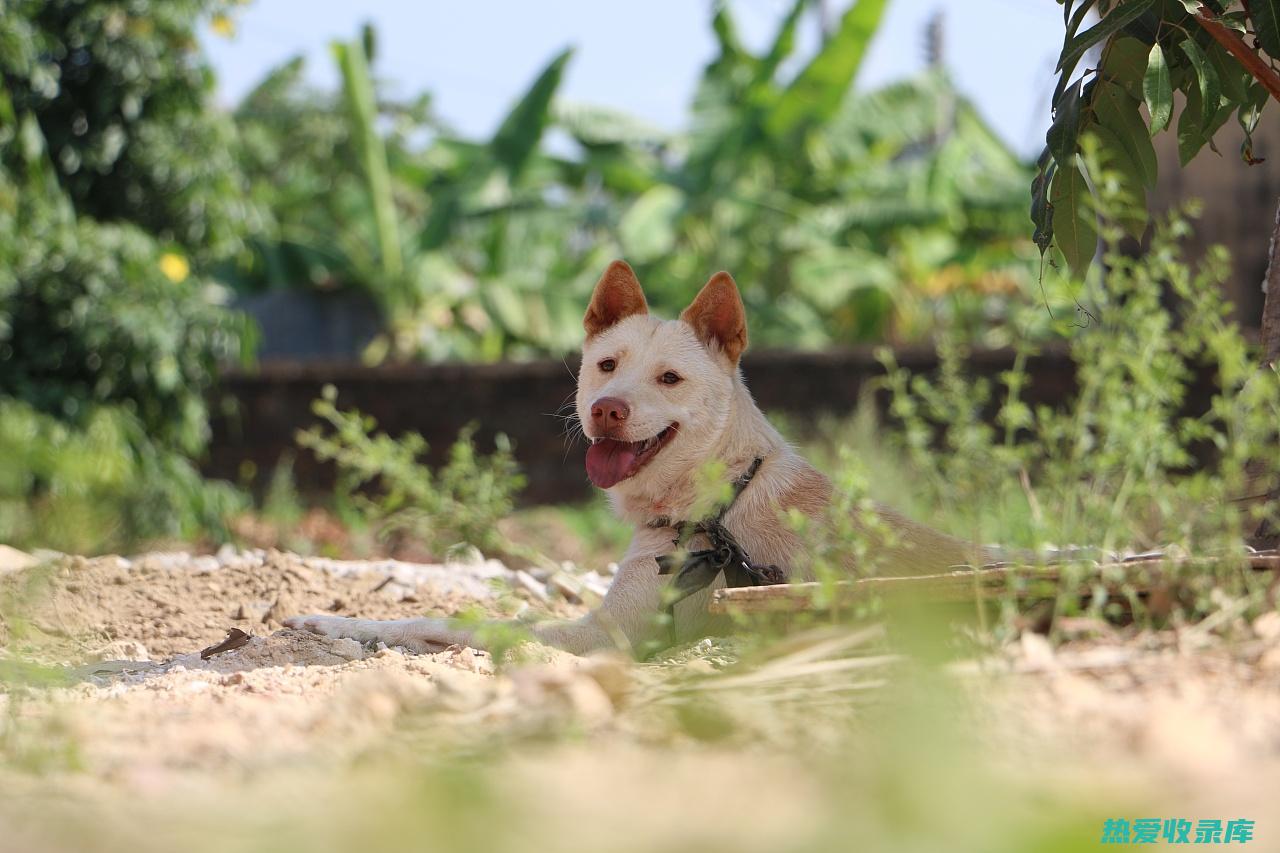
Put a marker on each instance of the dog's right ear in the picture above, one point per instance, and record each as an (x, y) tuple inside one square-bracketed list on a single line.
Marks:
[(617, 297)]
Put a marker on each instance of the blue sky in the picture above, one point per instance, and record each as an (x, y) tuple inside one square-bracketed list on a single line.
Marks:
[(645, 58)]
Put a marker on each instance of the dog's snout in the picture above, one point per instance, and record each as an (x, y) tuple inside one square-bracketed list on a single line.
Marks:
[(608, 414)]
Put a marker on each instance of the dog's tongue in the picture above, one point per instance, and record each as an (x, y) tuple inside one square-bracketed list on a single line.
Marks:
[(608, 461)]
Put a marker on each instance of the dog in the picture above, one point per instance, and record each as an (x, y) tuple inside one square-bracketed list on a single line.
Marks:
[(659, 400)]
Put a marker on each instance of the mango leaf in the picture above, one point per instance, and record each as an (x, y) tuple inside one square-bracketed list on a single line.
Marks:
[(1266, 24), (1210, 86), (1125, 61), (1157, 90), (818, 90), (1193, 132), (1129, 199), (648, 229), (1249, 114), (1075, 228), (1116, 110), (1111, 23), (1072, 26), (521, 131), (1233, 76), (1041, 211), (1063, 133), (1191, 136)]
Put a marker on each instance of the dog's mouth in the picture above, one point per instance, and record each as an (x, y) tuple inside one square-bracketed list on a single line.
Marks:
[(610, 461)]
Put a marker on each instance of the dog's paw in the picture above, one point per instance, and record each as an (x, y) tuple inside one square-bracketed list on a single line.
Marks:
[(333, 627)]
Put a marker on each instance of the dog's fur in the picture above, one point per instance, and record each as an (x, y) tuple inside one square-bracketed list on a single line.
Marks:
[(715, 420)]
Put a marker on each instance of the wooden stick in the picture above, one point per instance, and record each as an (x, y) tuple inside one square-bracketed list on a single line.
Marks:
[(960, 585)]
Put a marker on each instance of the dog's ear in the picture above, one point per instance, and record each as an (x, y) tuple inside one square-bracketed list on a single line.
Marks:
[(717, 316), (617, 297)]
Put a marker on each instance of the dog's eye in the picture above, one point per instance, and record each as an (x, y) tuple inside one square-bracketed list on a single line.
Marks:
[(669, 378), (608, 364)]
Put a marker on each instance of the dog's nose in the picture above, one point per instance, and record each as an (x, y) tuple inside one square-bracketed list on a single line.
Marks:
[(608, 413)]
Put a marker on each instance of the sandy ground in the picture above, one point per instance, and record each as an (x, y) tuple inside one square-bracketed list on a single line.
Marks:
[(119, 727)]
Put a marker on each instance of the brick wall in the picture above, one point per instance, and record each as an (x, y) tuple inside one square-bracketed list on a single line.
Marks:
[(262, 411)]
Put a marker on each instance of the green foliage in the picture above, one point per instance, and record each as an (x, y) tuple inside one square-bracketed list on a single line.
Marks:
[(1149, 50), (845, 215), (117, 97), (101, 486), (461, 503), (116, 179), (1124, 465), (89, 315)]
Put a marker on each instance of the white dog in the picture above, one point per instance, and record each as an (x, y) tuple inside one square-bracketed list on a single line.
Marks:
[(659, 400)]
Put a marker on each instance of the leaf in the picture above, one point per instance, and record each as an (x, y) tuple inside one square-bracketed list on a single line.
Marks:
[(1041, 211), (1111, 23), (1127, 200), (817, 91), (1073, 25), (1117, 111), (1075, 226), (1265, 15), (1210, 86), (648, 229), (1065, 129), (362, 107), (1193, 132), (521, 131), (1157, 90), (1190, 128), (783, 43), (1125, 62)]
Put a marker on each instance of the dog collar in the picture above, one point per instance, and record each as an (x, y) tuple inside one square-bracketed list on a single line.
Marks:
[(696, 570)]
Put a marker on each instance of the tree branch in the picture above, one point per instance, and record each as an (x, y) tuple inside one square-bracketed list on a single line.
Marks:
[(1235, 45)]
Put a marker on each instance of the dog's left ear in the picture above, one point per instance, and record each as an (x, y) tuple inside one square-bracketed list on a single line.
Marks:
[(717, 316)]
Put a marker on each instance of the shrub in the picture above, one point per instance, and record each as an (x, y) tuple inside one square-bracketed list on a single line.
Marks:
[(101, 486), (461, 503), (1126, 464), (95, 314), (121, 103)]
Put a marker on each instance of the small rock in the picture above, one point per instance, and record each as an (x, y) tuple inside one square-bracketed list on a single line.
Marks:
[(597, 584), (205, 564), (567, 586), (347, 649), (527, 582), (226, 553)]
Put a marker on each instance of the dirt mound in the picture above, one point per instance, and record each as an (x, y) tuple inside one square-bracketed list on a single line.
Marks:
[(160, 605)]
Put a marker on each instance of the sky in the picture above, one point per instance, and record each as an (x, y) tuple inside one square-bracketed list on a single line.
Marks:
[(644, 58)]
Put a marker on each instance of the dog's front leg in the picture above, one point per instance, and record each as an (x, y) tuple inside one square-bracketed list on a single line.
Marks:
[(627, 617), (419, 635)]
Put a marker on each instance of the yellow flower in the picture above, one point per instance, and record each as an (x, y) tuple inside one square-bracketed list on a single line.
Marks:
[(223, 26), (174, 267)]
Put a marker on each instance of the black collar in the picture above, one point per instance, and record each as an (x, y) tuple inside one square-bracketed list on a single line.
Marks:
[(695, 570)]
